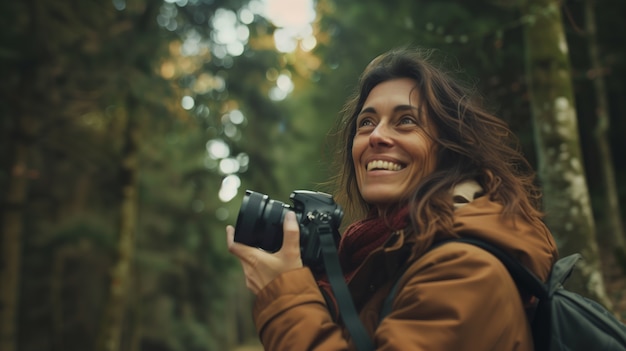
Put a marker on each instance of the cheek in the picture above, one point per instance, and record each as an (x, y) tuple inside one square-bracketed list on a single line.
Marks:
[(357, 149), (428, 155)]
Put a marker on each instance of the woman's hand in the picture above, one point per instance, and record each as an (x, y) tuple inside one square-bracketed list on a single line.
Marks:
[(261, 267)]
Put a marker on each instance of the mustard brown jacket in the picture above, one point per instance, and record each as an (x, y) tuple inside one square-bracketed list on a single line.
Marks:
[(455, 297)]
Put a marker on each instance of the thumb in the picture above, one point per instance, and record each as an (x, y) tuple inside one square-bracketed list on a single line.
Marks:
[(233, 247)]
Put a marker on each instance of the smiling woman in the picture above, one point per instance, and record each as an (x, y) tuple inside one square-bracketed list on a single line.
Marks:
[(421, 161), (392, 149)]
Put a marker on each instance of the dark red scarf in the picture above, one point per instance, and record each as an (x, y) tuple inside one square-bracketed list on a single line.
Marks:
[(361, 238)]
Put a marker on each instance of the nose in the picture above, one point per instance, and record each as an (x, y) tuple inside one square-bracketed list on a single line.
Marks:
[(381, 136)]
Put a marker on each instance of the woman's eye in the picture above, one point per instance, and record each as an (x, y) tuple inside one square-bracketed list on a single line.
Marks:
[(408, 120), (365, 123)]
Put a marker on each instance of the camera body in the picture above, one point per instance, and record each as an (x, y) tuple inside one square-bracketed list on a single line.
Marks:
[(260, 222)]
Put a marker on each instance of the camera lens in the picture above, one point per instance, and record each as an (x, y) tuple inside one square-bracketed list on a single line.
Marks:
[(260, 221)]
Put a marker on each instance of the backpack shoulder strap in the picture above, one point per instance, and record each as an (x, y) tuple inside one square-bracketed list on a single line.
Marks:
[(561, 271), (522, 276)]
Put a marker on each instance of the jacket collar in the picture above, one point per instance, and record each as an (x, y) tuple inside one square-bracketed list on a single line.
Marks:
[(383, 263)]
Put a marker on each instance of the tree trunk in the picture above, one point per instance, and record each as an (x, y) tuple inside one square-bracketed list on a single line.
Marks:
[(614, 236), (560, 166), (12, 225), (110, 334)]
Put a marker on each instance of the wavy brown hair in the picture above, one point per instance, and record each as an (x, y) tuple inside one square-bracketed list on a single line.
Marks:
[(471, 143)]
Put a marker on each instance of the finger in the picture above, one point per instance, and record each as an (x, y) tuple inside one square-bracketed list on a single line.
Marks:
[(291, 233), (230, 235), (291, 229)]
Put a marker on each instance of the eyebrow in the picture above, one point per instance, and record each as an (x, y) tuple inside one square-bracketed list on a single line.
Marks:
[(395, 109)]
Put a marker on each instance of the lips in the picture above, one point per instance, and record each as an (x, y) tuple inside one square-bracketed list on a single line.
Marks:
[(383, 165)]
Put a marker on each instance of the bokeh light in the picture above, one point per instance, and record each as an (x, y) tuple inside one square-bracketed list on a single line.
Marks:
[(229, 188), (217, 149), (187, 102), (293, 19), (229, 34)]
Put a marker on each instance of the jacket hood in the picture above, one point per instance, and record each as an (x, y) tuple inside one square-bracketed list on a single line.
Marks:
[(531, 244)]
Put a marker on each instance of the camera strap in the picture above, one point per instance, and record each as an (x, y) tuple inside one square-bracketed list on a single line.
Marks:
[(337, 281)]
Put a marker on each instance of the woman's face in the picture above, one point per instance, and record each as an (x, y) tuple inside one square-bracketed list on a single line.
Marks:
[(392, 149)]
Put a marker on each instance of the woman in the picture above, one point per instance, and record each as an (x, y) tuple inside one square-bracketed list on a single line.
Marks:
[(422, 162)]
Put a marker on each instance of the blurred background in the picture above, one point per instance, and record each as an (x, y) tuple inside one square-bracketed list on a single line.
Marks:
[(130, 130)]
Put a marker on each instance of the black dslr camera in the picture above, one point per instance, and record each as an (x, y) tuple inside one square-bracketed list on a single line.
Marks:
[(260, 222)]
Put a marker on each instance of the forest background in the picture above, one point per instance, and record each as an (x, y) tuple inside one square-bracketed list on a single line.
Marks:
[(130, 129)]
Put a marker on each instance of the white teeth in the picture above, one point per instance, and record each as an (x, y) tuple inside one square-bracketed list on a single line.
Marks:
[(378, 164)]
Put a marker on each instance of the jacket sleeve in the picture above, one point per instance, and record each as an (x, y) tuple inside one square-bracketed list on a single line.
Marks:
[(456, 297), (290, 314)]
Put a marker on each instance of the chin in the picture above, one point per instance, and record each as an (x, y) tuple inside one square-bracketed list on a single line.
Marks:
[(382, 199)]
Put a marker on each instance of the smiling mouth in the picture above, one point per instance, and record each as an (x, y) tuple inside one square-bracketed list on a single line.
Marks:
[(383, 165)]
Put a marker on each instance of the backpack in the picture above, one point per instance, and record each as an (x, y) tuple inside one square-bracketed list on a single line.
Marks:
[(563, 320)]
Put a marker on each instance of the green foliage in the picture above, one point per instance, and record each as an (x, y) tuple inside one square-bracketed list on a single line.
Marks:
[(88, 227), (90, 59)]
